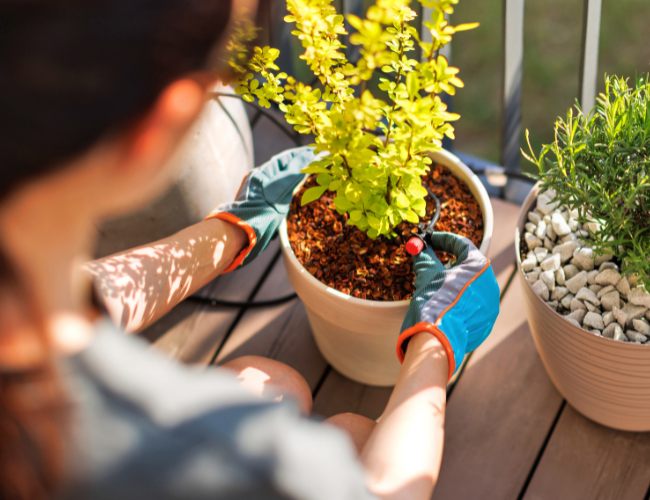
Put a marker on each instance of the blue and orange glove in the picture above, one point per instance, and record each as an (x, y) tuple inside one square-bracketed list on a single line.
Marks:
[(263, 200), (459, 305)]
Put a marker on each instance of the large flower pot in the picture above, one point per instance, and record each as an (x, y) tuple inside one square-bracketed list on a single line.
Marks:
[(357, 336), (606, 380)]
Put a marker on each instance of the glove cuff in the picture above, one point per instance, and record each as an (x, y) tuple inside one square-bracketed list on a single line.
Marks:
[(252, 237), (433, 330)]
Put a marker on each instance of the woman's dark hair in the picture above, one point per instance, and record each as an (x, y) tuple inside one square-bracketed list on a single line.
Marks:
[(71, 72)]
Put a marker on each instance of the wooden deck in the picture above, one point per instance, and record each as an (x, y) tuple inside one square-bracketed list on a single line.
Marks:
[(509, 433)]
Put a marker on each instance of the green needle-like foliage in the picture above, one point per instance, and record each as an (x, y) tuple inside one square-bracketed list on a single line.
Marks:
[(377, 181), (600, 165)]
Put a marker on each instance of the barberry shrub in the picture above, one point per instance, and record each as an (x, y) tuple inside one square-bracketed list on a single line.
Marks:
[(377, 180), (599, 164)]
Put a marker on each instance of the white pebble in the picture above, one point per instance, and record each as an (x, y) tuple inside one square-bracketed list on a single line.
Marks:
[(639, 297), (568, 237), (577, 304), (560, 225), (608, 317), (591, 277), (540, 254), (608, 265), (570, 271), (577, 282), (559, 277), (550, 232), (552, 304), (608, 277), (585, 258), (611, 300), (578, 315), (620, 316), (641, 326), (591, 307), (565, 250), (566, 301), (528, 264), (559, 293), (604, 290), (595, 288), (601, 259), (547, 219), (594, 320), (620, 336), (534, 217), (623, 286), (635, 336), (548, 244), (548, 277), (532, 241), (545, 203), (585, 294), (632, 312), (573, 322), (551, 263), (541, 289), (530, 227), (611, 329), (573, 224), (596, 332), (540, 232)]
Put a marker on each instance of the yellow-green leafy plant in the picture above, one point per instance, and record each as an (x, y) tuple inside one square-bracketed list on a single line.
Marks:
[(377, 181)]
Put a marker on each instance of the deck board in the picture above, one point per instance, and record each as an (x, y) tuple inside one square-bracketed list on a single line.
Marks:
[(342, 395), (499, 413), (584, 460), (279, 332)]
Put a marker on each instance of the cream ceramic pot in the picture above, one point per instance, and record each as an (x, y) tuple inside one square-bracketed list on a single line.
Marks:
[(606, 380), (356, 336)]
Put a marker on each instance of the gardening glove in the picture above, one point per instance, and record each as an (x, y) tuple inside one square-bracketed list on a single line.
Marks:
[(263, 200), (458, 306)]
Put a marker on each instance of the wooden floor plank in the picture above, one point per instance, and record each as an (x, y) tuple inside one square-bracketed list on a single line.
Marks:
[(280, 332), (499, 414), (342, 395), (191, 332), (584, 460)]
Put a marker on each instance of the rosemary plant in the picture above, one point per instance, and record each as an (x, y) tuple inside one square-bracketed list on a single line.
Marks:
[(600, 165), (376, 181)]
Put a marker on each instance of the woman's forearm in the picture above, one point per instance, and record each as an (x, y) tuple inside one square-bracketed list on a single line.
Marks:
[(140, 285), (404, 452)]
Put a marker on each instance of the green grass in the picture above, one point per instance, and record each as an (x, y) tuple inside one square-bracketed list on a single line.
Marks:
[(552, 33)]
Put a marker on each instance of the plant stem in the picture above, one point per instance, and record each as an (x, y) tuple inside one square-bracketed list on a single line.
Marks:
[(397, 80)]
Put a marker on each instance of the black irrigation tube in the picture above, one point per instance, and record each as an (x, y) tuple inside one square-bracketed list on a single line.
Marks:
[(217, 303), (243, 310)]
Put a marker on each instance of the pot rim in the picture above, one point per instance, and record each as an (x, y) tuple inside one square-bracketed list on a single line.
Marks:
[(488, 224), (523, 216)]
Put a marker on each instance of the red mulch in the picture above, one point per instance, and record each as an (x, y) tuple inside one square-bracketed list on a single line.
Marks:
[(344, 258)]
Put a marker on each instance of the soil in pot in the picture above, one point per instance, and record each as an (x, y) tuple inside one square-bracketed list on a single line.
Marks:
[(344, 258)]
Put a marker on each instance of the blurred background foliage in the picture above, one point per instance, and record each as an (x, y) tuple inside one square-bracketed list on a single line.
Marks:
[(552, 37)]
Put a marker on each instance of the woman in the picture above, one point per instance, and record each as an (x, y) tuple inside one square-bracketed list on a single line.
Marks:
[(94, 97)]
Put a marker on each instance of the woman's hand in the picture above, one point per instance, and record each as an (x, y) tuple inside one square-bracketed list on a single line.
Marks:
[(458, 306), (263, 200)]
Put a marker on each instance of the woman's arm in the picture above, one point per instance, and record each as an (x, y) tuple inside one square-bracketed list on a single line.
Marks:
[(404, 452), (140, 285)]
